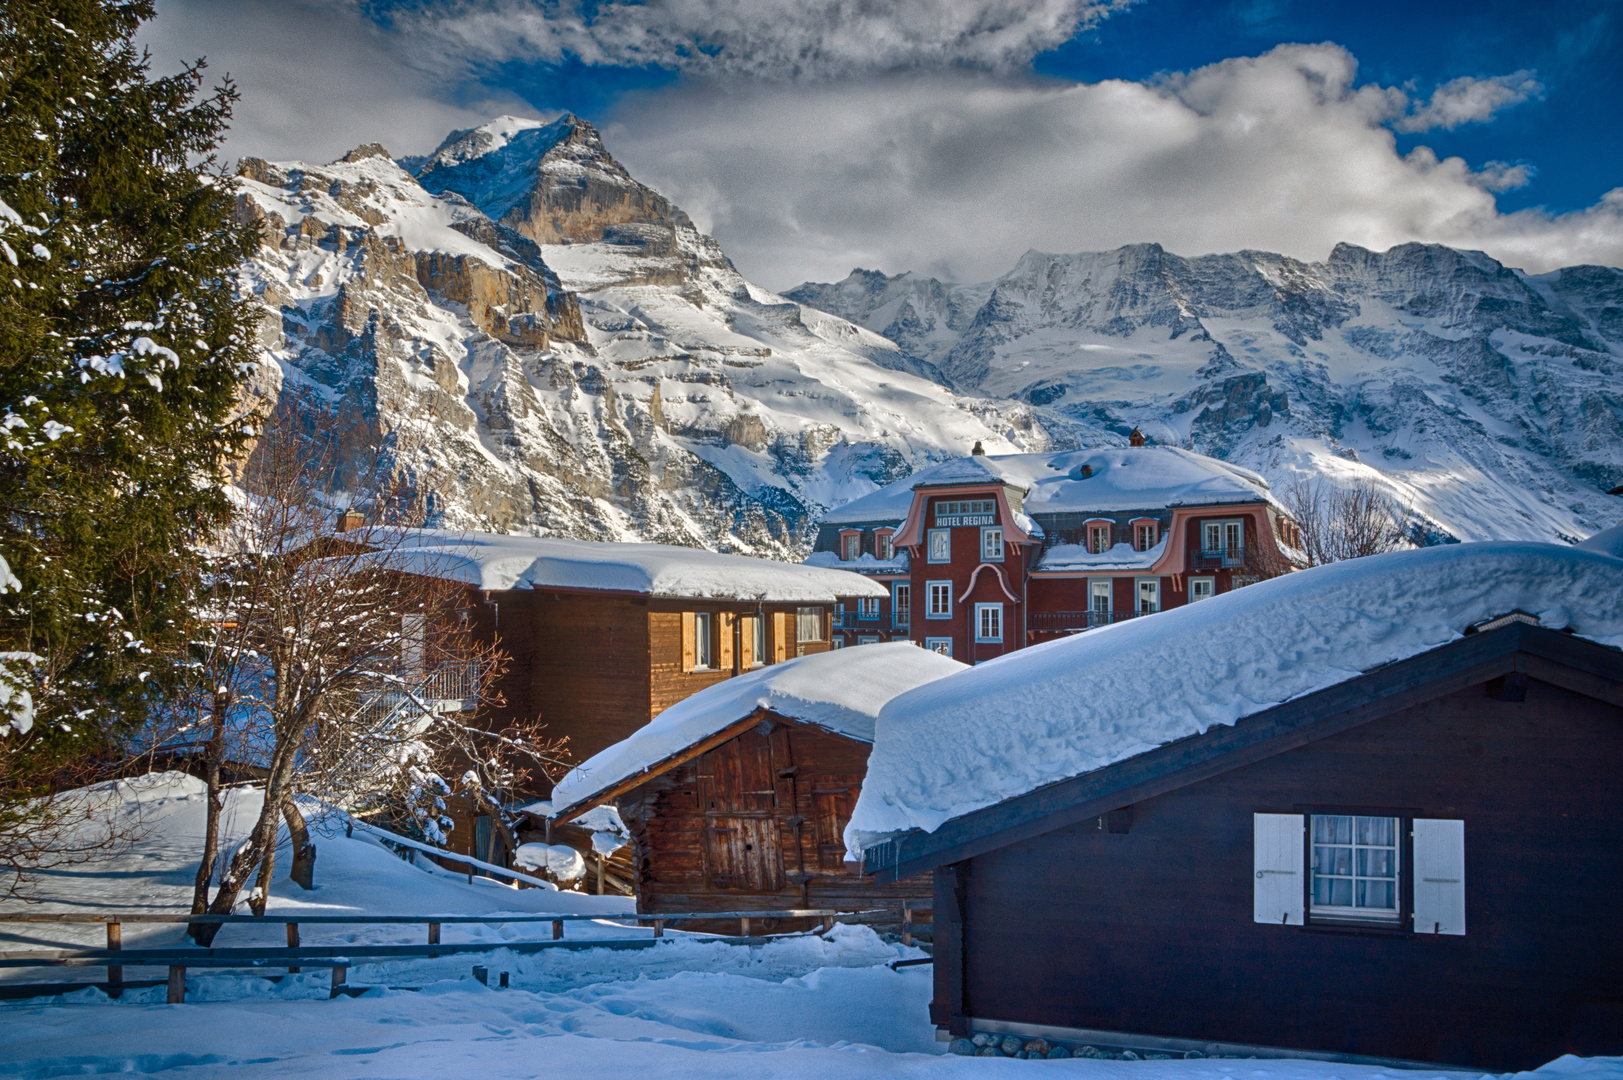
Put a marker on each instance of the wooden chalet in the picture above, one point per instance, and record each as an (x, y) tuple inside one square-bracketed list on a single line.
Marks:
[(605, 636), (737, 799), (986, 554), (1414, 855)]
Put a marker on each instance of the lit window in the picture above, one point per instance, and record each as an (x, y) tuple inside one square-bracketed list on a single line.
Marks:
[(1149, 596), (991, 545), (1145, 535), (1098, 539), (942, 645), (1202, 588), (1355, 866), (940, 596), (941, 545), (988, 622), (703, 648), (884, 549)]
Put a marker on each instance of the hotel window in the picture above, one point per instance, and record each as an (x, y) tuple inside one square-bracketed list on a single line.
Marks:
[(868, 608), (1240, 581), (809, 624), (1149, 596), (942, 645), (901, 603), (1202, 588), (1098, 539), (988, 622), (991, 545), (940, 545), (1146, 535), (884, 549), (867, 639), (1355, 867), (940, 596), (1225, 540), (1098, 602), (850, 546), (704, 655)]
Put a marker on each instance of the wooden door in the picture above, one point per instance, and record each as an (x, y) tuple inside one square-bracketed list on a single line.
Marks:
[(738, 794), (831, 808)]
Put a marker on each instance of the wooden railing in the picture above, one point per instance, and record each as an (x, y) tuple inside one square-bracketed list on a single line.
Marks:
[(178, 958)]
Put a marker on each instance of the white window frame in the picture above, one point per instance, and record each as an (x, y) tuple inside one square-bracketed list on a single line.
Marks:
[(1223, 529), (758, 653), (942, 645), (1353, 912), (992, 543), (804, 617), (837, 643), (940, 539), (1101, 548), (1194, 588), (901, 599), (1143, 543), (884, 546), (1138, 595), (930, 593), (704, 645), (1100, 589), (850, 546), (867, 608), (989, 623), (867, 639)]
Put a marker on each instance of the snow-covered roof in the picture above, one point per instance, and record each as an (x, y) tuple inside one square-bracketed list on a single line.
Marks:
[(1122, 478), (1071, 706), (1607, 541), (497, 561), (1074, 557), (866, 564), (842, 691)]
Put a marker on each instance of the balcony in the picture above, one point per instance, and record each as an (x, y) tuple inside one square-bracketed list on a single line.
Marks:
[(1072, 622), (1216, 558), (450, 688)]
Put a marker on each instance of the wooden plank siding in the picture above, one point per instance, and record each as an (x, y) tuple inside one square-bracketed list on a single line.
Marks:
[(756, 823), (1150, 930)]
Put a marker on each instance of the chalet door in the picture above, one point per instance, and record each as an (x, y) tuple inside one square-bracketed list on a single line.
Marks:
[(832, 807), (738, 794)]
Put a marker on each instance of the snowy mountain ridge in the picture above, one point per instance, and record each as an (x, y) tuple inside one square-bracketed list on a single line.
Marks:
[(1486, 399), (548, 346)]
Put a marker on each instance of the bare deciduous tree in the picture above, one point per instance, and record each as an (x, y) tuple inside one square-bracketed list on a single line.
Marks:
[(329, 654), (1345, 522)]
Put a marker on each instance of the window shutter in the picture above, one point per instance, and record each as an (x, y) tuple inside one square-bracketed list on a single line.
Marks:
[(1439, 876), (1277, 888), (689, 658), (725, 653)]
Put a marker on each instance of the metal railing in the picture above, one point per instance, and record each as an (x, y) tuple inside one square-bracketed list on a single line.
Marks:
[(448, 688), (1215, 558), (1071, 622)]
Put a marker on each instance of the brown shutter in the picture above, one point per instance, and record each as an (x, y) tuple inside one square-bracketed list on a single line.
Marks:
[(746, 641), (724, 631), (781, 624), (689, 655)]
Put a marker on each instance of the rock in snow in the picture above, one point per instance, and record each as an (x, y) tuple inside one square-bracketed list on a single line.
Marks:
[(1068, 707)]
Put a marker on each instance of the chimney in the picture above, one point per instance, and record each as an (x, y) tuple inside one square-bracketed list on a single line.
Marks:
[(979, 451), (349, 519), (1087, 471), (1136, 438)]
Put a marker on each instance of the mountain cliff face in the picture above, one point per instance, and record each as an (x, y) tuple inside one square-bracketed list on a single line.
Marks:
[(545, 345), (1487, 400)]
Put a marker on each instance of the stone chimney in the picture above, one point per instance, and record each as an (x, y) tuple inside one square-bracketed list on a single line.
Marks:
[(1136, 438), (349, 519), (979, 451)]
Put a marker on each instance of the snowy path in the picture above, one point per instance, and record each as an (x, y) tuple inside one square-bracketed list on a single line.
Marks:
[(804, 1007)]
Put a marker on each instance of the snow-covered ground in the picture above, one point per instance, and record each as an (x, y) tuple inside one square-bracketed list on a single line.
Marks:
[(800, 1007)]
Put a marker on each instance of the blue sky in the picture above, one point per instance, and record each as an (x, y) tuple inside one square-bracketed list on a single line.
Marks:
[(948, 136)]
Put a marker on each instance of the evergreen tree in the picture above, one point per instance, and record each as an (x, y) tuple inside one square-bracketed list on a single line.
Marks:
[(124, 343)]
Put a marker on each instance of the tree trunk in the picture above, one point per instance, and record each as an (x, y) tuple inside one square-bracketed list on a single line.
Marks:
[(303, 871), (258, 850), (216, 803)]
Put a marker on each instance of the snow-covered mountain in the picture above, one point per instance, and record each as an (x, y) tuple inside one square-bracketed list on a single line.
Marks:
[(1488, 400), (551, 347)]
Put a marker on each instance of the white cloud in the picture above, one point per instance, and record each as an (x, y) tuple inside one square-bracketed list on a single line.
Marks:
[(1470, 100), (764, 39), (957, 175), (317, 80)]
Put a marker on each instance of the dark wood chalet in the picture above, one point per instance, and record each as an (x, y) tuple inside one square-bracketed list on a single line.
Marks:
[(737, 799), (983, 555), (1417, 863), (605, 636)]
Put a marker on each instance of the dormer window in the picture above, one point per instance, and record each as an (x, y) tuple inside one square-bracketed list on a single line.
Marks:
[(850, 545), (1146, 534), (1099, 538), (884, 549)]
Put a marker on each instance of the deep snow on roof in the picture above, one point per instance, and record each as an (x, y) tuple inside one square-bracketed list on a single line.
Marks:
[(1607, 541), (498, 561), (842, 691), (1071, 706), (1123, 478)]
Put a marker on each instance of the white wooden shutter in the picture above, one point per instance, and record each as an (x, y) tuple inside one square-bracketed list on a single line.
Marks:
[(1277, 890), (1439, 876)]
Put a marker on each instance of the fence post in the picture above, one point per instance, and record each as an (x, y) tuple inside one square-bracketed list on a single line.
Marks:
[(828, 923), (293, 943), (659, 927), (177, 985), (433, 933), (744, 926), (907, 922), (115, 972), (557, 929), (340, 975)]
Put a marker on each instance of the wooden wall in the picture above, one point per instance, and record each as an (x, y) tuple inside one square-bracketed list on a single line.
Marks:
[(756, 824), (1150, 930)]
